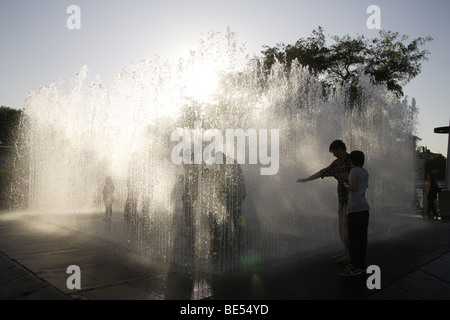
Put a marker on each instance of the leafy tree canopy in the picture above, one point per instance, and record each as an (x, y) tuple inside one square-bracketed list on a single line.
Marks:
[(390, 59)]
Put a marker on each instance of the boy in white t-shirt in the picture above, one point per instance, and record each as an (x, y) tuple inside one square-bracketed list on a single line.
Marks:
[(358, 215)]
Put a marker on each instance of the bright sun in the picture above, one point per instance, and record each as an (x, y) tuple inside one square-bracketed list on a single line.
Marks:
[(202, 81)]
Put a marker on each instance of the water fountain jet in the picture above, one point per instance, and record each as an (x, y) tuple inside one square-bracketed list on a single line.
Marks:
[(80, 133)]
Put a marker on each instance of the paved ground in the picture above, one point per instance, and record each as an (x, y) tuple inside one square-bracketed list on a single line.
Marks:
[(34, 257)]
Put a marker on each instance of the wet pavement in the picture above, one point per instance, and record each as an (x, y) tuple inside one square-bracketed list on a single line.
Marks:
[(35, 254)]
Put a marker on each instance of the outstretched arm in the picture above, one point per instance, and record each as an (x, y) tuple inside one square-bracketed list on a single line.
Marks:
[(315, 176)]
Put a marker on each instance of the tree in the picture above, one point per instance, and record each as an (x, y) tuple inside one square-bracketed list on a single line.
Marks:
[(13, 175), (310, 52), (389, 60), (345, 59), (9, 122), (392, 62)]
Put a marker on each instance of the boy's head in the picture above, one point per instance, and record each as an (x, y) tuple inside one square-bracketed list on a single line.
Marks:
[(357, 158), (338, 148)]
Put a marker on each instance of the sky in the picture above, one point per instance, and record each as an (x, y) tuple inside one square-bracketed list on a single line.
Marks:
[(37, 47)]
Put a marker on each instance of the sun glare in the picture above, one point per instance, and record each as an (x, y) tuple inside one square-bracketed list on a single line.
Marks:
[(202, 81)]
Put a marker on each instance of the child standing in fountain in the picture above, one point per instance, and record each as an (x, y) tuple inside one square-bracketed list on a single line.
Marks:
[(358, 215), (108, 197)]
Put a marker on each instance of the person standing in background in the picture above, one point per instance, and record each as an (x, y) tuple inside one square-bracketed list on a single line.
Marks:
[(108, 197)]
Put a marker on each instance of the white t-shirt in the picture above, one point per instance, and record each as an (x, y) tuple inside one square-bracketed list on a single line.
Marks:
[(357, 199)]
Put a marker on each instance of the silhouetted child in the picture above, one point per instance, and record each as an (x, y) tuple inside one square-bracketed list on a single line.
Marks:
[(108, 196), (357, 216)]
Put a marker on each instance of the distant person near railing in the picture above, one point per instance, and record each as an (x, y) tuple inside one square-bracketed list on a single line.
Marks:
[(432, 191)]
